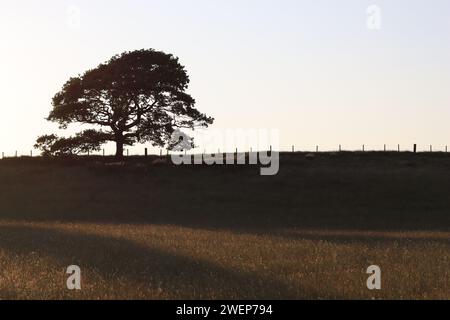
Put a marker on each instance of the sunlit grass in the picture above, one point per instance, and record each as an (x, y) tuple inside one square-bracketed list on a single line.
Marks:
[(168, 262)]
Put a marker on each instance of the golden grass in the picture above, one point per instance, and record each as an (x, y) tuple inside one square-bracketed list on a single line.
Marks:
[(131, 261)]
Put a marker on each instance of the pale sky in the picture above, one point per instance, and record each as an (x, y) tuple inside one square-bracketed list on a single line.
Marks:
[(310, 68)]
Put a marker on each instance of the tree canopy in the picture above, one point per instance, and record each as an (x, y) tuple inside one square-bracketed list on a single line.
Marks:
[(83, 142), (135, 97)]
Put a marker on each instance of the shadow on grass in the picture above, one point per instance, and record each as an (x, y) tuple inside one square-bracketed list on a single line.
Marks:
[(351, 237), (150, 269), (343, 192)]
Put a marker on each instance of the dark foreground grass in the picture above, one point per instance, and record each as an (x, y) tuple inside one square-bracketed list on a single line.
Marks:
[(164, 232)]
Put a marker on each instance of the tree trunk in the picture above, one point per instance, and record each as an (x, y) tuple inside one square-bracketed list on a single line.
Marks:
[(119, 149)]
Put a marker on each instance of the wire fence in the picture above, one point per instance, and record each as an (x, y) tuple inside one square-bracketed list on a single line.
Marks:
[(164, 152)]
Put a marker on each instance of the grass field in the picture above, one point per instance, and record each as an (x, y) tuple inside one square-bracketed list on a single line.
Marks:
[(225, 232)]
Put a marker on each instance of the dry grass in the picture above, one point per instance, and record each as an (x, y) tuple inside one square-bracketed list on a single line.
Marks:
[(168, 262), (226, 233)]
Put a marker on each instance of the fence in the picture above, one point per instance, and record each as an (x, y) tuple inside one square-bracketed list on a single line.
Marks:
[(414, 149)]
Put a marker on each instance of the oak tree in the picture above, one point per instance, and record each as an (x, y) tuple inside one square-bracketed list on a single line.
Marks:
[(135, 97)]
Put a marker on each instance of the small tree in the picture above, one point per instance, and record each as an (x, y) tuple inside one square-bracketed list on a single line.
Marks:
[(135, 97)]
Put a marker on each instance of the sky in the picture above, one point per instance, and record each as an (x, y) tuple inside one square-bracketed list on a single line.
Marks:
[(321, 72)]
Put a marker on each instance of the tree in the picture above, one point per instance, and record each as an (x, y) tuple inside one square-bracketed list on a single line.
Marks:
[(135, 97), (86, 141)]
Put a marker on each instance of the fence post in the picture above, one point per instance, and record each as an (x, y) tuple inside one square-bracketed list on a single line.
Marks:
[(415, 148), (398, 148), (364, 148), (317, 148), (431, 148), (293, 148)]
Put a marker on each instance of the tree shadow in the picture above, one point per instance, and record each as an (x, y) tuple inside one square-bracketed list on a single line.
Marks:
[(323, 194), (368, 238)]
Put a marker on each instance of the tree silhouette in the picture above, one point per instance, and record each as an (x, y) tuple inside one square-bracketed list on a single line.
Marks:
[(85, 141), (135, 97)]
